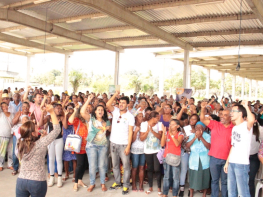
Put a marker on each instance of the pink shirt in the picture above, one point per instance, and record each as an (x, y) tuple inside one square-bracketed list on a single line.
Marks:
[(36, 110)]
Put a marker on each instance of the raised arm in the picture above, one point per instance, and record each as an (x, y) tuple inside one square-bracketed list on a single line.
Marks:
[(250, 116), (43, 102), (65, 119), (179, 115), (202, 114), (16, 118), (45, 141), (25, 97), (109, 103), (72, 117), (83, 110), (164, 136)]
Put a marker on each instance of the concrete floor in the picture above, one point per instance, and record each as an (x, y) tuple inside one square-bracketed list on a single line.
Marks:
[(8, 185)]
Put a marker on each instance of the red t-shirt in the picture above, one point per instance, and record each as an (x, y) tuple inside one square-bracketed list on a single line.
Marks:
[(220, 139), (170, 145)]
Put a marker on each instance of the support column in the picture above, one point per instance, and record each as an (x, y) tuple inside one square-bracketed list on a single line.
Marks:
[(28, 69), (233, 87), (187, 70), (222, 84), (256, 91), (207, 83), (65, 74), (242, 88), (161, 79), (117, 66), (250, 89)]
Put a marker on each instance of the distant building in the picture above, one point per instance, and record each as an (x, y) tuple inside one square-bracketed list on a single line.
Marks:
[(6, 78)]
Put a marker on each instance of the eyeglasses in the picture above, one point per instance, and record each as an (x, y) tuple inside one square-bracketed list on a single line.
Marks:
[(119, 119), (235, 111)]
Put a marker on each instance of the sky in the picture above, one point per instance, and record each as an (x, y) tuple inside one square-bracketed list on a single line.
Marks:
[(100, 62)]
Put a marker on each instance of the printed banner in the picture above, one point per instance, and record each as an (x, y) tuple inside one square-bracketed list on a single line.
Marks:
[(182, 92), (113, 89)]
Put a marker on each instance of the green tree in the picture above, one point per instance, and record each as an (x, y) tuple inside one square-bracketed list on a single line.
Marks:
[(135, 80), (176, 81), (76, 77), (101, 83)]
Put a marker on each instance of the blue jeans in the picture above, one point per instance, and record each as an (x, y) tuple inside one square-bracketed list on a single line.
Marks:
[(26, 188), (137, 160), (97, 156), (15, 159), (217, 171), (237, 182), (171, 172), (184, 166)]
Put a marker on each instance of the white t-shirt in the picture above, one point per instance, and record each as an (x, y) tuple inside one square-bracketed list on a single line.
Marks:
[(151, 143), (120, 131), (137, 146), (240, 141)]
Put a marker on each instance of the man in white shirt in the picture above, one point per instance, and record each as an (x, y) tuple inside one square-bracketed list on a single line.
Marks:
[(237, 164), (120, 141)]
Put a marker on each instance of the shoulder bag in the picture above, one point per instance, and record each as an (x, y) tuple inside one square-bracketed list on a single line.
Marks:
[(73, 141), (172, 159)]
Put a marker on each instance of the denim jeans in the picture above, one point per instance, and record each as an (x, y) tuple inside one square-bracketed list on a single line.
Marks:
[(26, 188), (171, 172), (137, 160), (217, 172), (15, 159), (184, 166), (97, 156), (117, 153), (237, 182)]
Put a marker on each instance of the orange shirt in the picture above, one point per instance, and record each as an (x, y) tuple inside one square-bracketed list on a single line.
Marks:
[(82, 132)]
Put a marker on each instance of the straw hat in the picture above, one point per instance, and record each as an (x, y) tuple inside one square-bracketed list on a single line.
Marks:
[(5, 95)]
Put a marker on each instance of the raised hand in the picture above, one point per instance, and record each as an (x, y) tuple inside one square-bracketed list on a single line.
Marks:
[(49, 108), (91, 96), (65, 112), (28, 88), (244, 103), (117, 92), (184, 106)]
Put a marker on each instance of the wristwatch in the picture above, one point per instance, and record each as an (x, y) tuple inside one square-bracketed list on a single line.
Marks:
[(172, 136)]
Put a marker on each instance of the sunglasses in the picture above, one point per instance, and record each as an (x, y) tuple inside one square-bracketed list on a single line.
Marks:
[(118, 121)]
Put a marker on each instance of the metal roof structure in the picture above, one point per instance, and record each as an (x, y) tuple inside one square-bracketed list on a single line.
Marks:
[(65, 26)]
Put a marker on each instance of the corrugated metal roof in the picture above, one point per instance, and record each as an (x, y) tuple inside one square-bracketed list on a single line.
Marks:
[(7, 2), (118, 34), (128, 3), (229, 7)]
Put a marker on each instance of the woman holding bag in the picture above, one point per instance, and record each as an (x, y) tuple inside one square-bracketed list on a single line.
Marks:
[(172, 156), (80, 128), (97, 141)]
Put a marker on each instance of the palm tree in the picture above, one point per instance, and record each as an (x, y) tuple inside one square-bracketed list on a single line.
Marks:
[(75, 78)]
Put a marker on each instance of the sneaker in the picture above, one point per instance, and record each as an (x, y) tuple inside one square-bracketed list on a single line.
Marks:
[(125, 191), (59, 183), (115, 186), (51, 181)]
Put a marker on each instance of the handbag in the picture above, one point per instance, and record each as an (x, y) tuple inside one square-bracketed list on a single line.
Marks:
[(73, 142), (172, 159)]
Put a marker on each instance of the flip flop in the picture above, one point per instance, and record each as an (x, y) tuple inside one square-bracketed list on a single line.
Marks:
[(160, 194), (14, 172), (65, 178), (148, 192)]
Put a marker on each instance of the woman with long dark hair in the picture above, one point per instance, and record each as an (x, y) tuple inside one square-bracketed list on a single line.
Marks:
[(31, 152), (253, 158), (151, 134), (172, 141), (138, 156), (97, 141)]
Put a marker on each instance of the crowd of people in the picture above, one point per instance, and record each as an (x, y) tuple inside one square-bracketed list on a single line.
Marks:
[(138, 138)]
